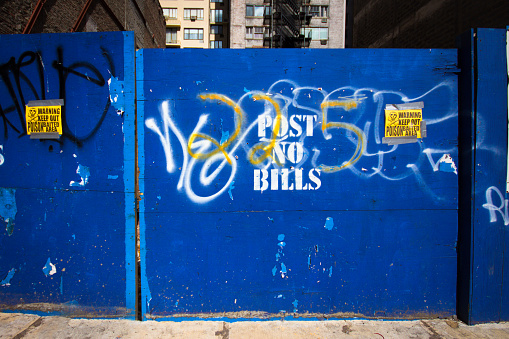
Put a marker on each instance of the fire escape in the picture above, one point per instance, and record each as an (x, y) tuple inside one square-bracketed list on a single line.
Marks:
[(285, 21)]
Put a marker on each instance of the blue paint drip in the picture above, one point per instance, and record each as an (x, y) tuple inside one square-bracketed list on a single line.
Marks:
[(117, 94), (329, 223), (62, 284), (232, 186), (274, 271), (283, 268), (8, 277), (8, 208), (295, 304), (278, 256), (330, 272)]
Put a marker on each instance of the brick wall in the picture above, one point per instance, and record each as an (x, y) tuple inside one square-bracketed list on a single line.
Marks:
[(423, 23), (145, 18)]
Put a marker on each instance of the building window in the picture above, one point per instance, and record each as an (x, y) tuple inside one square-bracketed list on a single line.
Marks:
[(316, 33), (170, 13), (216, 44), (318, 11), (216, 1), (193, 33), (256, 32), (216, 15), (216, 29), (193, 13), (171, 35), (257, 11)]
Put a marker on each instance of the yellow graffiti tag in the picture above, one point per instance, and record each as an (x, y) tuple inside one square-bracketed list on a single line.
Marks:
[(266, 148), (347, 105), (219, 147)]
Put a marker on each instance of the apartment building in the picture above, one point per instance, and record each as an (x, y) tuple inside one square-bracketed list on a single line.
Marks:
[(288, 23), (196, 23)]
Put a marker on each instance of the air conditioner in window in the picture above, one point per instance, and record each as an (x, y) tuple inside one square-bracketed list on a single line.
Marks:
[(323, 42), (324, 21), (193, 17)]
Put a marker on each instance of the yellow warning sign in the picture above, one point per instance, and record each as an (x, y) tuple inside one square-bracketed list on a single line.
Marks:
[(44, 119), (404, 123)]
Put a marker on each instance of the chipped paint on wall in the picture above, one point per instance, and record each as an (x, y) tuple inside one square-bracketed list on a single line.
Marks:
[(329, 224), (49, 268), (295, 304), (117, 94), (7, 280), (444, 164), (8, 208), (84, 173), (2, 159)]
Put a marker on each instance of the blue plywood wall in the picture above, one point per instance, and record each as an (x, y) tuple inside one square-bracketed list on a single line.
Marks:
[(483, 267), (67, 206), (322, 218)]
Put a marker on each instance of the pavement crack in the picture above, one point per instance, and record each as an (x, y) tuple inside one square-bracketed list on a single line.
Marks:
[(225, 333), (36, 323)]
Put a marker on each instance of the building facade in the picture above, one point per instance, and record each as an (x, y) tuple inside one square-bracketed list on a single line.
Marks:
[(423, 24), (60, 16), (196, 23), (288, 23)]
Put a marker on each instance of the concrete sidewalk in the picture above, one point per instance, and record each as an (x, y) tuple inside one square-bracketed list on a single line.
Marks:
[(16, 325)]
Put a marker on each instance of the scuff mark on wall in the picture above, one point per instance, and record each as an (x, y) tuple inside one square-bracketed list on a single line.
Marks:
[(8, 208), (49, 268), (84, 173), (8, 277)]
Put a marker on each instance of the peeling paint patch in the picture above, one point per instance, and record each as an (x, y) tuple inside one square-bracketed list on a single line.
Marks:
[(232, 186), (329, 224), (274, 270), (8, 277), (283, 270), (84, 173), (8, 208), (117, 94), (49, 268), (280, 238), (446, 164)]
